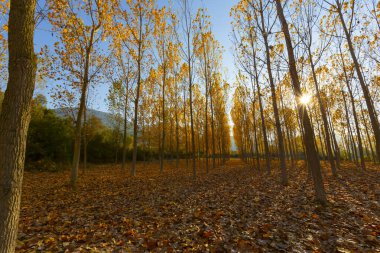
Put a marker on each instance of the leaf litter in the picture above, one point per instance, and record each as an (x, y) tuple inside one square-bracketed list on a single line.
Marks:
[(234, 208)]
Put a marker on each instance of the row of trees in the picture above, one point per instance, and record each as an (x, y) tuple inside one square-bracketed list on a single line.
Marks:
[(156, 64), (331, 64)]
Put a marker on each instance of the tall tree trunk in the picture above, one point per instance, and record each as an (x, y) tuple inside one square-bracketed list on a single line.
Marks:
[(280, 138), (82, 105), (15, 117), (212, 128), (263, 127), (78, 128), (311, 153), (371, 109), (335, 142), (125, 137), (358, 134), (320, 135), (162, 148), (85, 139), (176, 133), (125, 133), (350, 135), (367, 133), (185, 123), (324, 116), (255, 131), (206, 76), (135, 126), (287, 132), (347, 146), (191, 113)]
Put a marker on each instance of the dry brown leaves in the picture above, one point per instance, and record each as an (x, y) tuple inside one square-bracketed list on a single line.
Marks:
[(232, 209)]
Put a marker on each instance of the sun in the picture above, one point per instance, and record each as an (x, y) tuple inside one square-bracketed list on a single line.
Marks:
[(305, 99)]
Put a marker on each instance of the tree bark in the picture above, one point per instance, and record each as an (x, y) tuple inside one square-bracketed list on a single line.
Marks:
[(328, 145), (162, 148), (367, 133), (125, 133), (311, 153), (263, 127), (358, 134), (15, 117), (212, 128), (280, 138), (85, 139), (135, 120), (82, 105), (176, 129)]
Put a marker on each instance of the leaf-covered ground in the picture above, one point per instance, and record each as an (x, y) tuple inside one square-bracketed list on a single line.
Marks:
[(234, 208)]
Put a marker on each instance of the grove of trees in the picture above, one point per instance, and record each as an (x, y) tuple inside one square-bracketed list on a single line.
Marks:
[(308, 75), (306, 88)]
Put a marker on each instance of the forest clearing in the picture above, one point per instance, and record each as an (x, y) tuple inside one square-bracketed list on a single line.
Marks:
[(189, 126), (233, 208)]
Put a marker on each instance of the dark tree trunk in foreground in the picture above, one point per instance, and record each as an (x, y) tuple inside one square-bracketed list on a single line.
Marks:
[(311, 152), (15, 117)]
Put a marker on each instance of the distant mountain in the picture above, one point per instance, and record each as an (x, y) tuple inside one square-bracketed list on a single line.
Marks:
[(105, 117)]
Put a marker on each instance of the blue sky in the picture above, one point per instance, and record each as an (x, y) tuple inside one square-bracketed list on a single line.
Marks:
[(219, 11)]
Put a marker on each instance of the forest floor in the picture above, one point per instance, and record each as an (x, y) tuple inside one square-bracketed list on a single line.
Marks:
[(234, 208)]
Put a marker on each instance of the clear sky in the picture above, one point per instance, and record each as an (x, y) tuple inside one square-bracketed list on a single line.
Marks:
[(219, 11)]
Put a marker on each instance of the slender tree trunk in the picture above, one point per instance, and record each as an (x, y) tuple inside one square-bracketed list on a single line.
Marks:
[(162, 148), (212, 128), (350, 135), (191, 112), (347, 144), (185, 122), (320, 154), (320, 133), (206, 76), (78, 129), (287, 132), (206, 123), (125, 136), (335, 142), (324, 117), (135, 126), (125, 133), (373, 154), (176, 134), (263, 127), (85, 138), (15, 117), (280, 139), (312, 156), (358, 134), (82, 105), (199, 141), (360, 144), (255, 133)]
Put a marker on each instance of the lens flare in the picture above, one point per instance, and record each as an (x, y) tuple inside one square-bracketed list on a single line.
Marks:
[(305, 99)]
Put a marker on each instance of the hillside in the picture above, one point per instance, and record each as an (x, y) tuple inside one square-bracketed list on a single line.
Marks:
[(105, 117)]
